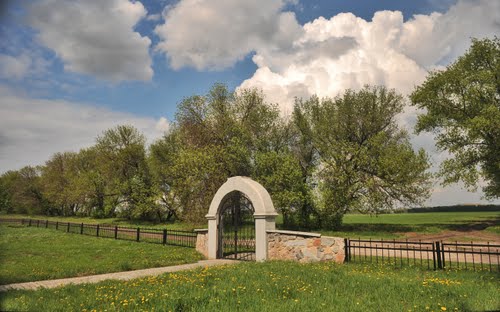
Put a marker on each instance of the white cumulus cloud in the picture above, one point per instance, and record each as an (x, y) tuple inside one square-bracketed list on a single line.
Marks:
[(215, 34), (95, 37), (385, 51)]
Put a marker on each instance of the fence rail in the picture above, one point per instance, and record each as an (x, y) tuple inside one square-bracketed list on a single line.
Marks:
[(149, 235), (432, 255)]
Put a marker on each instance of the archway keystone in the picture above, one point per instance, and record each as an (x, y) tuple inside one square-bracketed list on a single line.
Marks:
[(264, 213)]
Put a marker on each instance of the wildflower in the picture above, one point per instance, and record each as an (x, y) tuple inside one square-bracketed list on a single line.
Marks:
[(443, 308)]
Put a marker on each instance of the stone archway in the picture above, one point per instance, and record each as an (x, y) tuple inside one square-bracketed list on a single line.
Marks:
[(264, 213)]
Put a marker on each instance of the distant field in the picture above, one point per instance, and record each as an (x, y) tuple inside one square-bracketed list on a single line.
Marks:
[(481, 225), (274, 287), (30, 254)]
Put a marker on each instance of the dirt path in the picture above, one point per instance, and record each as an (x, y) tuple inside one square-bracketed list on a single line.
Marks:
[(123, 276), (478, 236)]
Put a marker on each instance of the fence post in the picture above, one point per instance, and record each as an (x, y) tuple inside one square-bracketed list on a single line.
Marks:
[(29, 224), (438, 255), (138, 233), (164, 237), (81, 228), (46, 224), (116, 231), (57, 225), (346, 247), (97, 231), (37, 223), (67, 230), (434, 255), (443, 264)]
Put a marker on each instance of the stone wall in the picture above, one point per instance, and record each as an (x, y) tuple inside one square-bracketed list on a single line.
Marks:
[(202, 242), (304, 247)]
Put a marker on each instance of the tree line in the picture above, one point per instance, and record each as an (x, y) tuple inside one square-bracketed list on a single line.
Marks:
[(330, 156)]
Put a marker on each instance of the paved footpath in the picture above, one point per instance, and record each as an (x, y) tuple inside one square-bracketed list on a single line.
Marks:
[(123, 276)]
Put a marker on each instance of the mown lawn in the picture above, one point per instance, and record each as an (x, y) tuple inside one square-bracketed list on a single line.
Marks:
[(30, 254), (276, 286)]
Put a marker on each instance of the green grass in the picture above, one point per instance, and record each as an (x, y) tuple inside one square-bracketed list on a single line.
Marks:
[(30, 254), (275, 286)]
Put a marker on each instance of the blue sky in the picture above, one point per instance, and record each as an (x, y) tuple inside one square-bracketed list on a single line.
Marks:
[(168, 86), (70, 69)]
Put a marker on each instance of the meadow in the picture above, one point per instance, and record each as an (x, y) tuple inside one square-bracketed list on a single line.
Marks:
[(276, 286), (31, 254)]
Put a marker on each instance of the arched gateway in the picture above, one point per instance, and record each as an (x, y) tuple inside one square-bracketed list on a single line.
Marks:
[(240, 208)]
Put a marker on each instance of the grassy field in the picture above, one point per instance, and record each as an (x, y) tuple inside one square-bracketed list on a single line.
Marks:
[(29, 254), (398, 225), (276, 286), (358, 225)]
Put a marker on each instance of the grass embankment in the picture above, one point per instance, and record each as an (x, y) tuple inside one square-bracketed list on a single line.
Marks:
[(30, 254), (276, 286)]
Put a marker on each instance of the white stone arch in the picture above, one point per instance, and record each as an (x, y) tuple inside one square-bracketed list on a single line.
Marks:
[(264, 213)]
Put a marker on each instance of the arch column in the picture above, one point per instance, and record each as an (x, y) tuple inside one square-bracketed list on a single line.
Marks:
[(264, 214)]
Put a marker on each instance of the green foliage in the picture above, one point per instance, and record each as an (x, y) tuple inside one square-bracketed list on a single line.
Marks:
[(462, 107), (21, 192), (129, 182), (218, 136), (366, 163), (281, 175), (276, 286), (33, 254)]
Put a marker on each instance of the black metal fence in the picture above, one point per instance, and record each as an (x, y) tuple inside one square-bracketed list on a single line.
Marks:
[(431, 255), (149, 235)]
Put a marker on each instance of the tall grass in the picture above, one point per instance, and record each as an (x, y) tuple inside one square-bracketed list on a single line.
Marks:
[(276, 286)]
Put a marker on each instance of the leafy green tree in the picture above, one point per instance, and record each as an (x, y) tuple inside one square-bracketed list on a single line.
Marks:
[(57, 184), (6, 181), (129, 189), (89, 183), (462, 107), (365, 162), (280, 173), (215, 137), (24, 192)]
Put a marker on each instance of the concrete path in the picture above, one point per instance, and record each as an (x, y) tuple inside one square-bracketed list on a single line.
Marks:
[(123, 276)]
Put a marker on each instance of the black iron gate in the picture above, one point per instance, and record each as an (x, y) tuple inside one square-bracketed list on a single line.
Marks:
[(236, 228)]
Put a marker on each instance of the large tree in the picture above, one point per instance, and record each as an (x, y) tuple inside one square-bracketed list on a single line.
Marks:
[(462, 108), (216, 136), (58, 185), (365, 161), (122, 156), (22, 192)]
